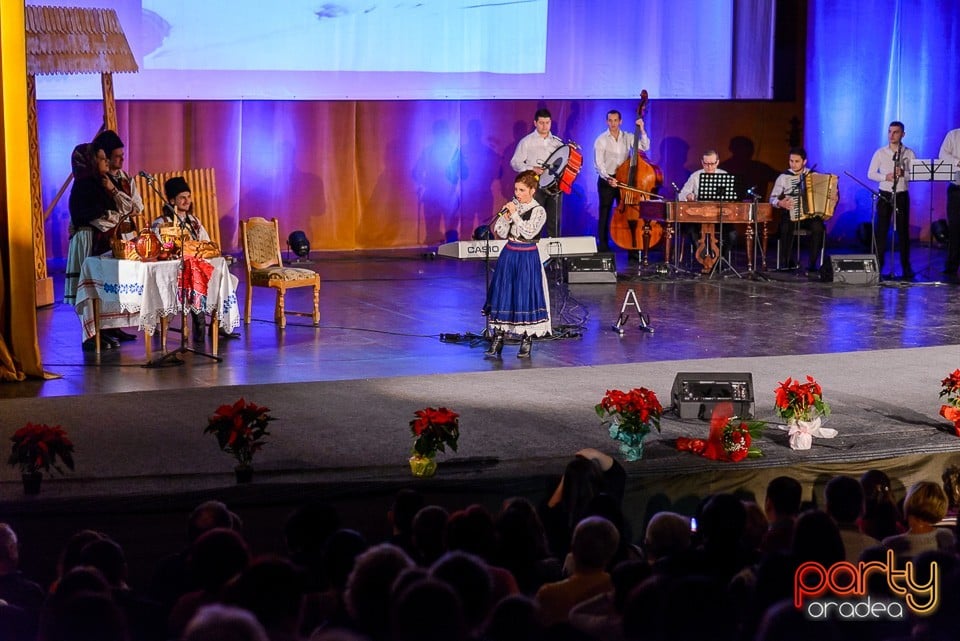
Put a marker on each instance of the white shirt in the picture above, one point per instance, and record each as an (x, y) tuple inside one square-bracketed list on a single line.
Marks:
[(132, 204), (950, 150), (533, 150), (788, 184), (692, 186), (882, 164), (609, 153)]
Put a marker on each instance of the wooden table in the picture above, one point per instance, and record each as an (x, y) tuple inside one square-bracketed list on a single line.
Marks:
[(114, 293)]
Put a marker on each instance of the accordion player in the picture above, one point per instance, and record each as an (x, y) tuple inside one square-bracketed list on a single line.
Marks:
[(798, 215)]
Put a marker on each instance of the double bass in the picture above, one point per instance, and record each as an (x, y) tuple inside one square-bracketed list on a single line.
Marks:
[(638, 180)]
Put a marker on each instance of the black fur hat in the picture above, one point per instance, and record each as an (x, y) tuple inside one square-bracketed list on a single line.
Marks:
[(175, 186), (107, 140)]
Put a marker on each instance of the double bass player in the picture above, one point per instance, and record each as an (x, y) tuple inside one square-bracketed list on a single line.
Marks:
[(610, 150)]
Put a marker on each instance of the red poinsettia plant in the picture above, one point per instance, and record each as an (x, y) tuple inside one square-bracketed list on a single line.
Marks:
[(634, 412), (38, 446), (950, 388), (240, 429), (434, 430), (796, 400), (731, 438)]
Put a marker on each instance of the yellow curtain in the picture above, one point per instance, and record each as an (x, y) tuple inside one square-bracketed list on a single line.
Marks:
[(19, 349)]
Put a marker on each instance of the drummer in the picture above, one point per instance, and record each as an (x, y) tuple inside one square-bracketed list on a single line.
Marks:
[(532, 152)]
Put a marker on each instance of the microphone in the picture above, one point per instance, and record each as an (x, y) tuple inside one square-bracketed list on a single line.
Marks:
[(506, 210), (751, 192), (147, 176)]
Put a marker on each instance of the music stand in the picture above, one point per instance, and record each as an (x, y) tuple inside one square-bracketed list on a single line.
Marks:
[(932, 170), (719, 188)]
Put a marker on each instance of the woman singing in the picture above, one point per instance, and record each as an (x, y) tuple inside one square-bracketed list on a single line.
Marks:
[(517, 300)]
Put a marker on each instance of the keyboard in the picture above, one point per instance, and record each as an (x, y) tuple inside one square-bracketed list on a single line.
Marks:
[(560, 246)]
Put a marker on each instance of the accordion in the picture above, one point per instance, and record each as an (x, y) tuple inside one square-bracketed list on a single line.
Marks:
[(814, 196)]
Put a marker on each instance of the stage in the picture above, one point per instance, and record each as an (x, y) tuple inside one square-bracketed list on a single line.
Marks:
[(344, 392)]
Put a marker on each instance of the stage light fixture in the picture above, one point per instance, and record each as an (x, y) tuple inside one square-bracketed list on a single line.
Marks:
[(299, 244), (940, 231)]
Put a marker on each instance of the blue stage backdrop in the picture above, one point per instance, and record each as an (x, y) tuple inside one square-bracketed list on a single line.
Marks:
[(869, 63)]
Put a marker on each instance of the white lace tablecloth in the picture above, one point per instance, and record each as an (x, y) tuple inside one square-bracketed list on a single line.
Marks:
[(132, 293)]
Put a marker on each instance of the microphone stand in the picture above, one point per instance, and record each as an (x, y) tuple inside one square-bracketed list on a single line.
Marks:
[(897, 156), (677, 241), (173, 357), (487, 236), (875, 194), (718, 267), (488, 333), (752, 272)]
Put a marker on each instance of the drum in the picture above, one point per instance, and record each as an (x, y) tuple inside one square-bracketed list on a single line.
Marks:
[(571, 171), (560, 169)]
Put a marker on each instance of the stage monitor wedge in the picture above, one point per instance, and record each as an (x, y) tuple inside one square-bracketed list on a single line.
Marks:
[(600, 268), (852, 269), (695, 394)]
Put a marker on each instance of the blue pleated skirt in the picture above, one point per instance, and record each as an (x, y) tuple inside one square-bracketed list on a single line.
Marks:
[(517, 300)]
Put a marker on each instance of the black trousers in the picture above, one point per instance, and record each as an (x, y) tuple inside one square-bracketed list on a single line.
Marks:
[(953, 229), (884, 215), (608, 197), (787, 228)]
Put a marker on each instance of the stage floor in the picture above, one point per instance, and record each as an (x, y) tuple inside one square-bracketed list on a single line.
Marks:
[(384, 315)]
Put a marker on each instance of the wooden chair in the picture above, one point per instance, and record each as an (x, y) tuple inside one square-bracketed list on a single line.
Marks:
[(203, 188), (264, 265)]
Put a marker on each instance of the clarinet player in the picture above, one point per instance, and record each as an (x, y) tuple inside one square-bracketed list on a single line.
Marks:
[(888, 168)]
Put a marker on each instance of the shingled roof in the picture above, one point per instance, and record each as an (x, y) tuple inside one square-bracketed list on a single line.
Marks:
[(72, 40)]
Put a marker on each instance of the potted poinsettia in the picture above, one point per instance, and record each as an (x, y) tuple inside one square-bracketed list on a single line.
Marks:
[(241, 430), (38, 448), (801, 404), (630, 416), (433, 431), (950, 388)]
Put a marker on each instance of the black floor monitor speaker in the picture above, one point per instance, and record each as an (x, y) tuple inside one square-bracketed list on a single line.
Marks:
[(695, 394), (852, 269), (599, 268)]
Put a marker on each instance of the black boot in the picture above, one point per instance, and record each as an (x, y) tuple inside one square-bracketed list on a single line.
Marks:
[(526, 345), (496, 345)]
